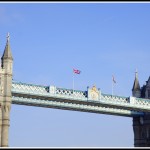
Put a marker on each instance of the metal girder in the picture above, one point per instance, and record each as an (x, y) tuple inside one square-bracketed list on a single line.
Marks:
[(51, 96)]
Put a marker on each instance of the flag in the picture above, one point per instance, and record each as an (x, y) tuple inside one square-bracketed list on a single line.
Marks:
[(113, 79), (76, 71)]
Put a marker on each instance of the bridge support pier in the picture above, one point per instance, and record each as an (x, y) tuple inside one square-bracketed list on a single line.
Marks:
[(141, 128), (5, 125)]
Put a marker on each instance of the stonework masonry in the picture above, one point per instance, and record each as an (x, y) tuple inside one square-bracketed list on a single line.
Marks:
[(141, 125), (5, 93)]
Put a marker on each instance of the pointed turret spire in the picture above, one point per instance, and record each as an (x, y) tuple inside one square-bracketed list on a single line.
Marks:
[(136, 85), (7, 52)]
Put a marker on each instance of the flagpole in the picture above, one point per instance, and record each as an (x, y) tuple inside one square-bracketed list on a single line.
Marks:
[(112, 86), (77, 72), (73, 82), (113, 82)]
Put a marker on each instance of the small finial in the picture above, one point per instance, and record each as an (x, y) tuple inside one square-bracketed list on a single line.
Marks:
[(136, 72), (8, 36)]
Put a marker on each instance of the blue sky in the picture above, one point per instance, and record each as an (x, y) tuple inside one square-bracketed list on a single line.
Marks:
[(48, 40)]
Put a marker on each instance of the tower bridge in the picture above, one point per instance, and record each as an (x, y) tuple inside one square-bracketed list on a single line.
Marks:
[(91, 100)]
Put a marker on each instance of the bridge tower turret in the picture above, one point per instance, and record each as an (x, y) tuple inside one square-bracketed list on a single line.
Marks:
[(136, 91), (5, 93), (141, 125)]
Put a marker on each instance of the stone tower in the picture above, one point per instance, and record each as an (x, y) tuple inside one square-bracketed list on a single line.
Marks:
[(5, 93), (141, 125)]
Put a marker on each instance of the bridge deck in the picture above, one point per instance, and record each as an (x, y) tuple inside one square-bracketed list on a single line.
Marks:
[(53, 97)]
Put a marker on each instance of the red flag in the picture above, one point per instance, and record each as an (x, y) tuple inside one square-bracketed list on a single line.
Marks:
[(76, 71)]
